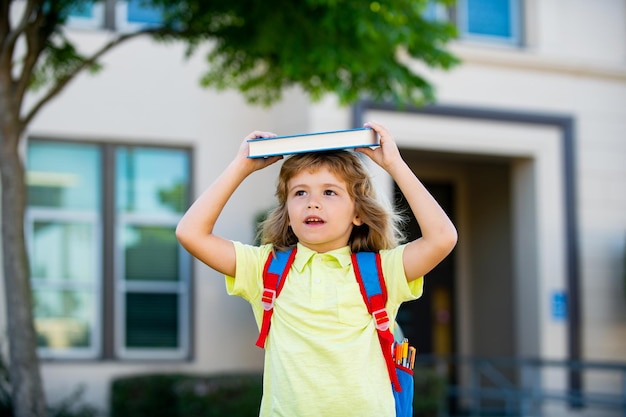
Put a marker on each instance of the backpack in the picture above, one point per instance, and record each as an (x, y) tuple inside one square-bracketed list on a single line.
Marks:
[(368, 271)]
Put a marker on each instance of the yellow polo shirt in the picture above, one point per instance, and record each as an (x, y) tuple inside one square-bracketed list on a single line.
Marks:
[(322, 354)]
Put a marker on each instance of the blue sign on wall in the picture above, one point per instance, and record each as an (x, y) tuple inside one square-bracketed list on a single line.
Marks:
[(559, 305)]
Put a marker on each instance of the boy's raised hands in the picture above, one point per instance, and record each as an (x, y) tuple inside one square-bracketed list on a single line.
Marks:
[(255, 164), (387, 154), (439, 235)]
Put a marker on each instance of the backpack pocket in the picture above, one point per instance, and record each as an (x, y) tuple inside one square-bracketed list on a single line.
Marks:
[(404, 399)]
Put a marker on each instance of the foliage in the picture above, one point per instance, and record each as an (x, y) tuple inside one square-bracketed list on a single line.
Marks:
[(429, 392), (69, 407), (172, 395), (174, 197), (259, 218), (235, 395), (6, 405), (73, 407), (350, 48)]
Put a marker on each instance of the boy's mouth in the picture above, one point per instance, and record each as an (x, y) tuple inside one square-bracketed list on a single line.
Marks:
[(314, 220)]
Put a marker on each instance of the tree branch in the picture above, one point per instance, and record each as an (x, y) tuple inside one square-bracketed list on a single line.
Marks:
[(5, 10), (35, 45), (63, 81), (13, 35), (5, 21)]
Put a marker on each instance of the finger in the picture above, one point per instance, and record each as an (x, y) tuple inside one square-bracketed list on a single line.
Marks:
[(380, 129), (367, 151), (270, 160), (260, 134)]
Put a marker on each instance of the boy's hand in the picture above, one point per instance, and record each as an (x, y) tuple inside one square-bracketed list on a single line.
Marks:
[(255, 164), (387, 154)]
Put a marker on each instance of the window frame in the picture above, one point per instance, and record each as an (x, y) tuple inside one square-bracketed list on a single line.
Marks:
[(96, 21), (122, 24), (109, 15), (34, 214), (123, 287), (516, 19), (108, 314)]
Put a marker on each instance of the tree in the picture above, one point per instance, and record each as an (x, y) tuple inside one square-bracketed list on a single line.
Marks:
[(349, 48)]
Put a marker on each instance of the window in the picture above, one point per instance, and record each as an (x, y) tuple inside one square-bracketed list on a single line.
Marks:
[(133, 15), (494, 21), (63, 224), (79, 195), (485, 21), (151, 194), (87, 16), (438, 12), (129, 15)]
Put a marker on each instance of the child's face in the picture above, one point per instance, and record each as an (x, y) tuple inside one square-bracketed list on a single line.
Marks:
[(321, 212)]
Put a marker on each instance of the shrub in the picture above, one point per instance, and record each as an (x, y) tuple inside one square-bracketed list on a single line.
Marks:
[(173, 395), (69, 407), (6, 407), (429, 392), (72, 406), (236, 395)]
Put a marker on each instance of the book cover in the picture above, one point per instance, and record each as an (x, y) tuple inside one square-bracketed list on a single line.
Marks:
[(312, 142)]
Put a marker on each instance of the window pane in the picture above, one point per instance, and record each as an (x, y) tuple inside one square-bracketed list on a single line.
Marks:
[(152, 320), (151, 186), (138, 12), (63, 175), (63, 318), (62, 251), (489, 17), (63, 221), (436, 11), (86, 15), (84, 11), (151, 181), (151, 253)]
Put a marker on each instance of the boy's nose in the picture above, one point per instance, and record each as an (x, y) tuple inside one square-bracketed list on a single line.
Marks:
[(314, 204)]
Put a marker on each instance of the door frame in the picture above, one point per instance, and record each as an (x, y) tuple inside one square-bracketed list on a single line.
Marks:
[(565, 125)]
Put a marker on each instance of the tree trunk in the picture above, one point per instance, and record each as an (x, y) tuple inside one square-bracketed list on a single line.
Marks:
[(28, 395)]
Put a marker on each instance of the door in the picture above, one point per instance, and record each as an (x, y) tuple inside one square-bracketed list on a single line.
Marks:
[(429, 321)]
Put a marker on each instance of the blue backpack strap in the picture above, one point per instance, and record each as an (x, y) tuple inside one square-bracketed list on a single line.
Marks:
[(370, 277), (274, 275), (369, 274)]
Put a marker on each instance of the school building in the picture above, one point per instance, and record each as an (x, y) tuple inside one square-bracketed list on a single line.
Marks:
[(525, 148)]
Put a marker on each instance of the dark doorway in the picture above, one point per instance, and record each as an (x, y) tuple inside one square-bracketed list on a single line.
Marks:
[(429, 321)]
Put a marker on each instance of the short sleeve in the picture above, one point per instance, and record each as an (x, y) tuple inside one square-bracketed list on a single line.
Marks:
[(398, 289), (248, 280)]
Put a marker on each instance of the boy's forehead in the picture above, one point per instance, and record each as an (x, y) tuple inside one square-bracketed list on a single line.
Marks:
[(316, 173)]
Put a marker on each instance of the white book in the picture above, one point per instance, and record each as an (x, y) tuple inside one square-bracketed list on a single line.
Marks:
[(312, 142)]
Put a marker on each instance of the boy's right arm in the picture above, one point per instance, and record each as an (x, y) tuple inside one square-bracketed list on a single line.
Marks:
[(195, 229)]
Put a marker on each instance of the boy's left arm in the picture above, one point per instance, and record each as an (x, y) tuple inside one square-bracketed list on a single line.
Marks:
[(439, 235)]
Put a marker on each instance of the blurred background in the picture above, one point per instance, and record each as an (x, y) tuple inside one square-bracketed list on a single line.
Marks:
[(524, 147)]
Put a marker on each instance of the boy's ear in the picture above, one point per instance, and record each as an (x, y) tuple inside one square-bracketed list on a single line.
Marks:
[(357, 221)]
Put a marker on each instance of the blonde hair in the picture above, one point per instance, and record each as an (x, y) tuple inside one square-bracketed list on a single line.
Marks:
[(381, 224)]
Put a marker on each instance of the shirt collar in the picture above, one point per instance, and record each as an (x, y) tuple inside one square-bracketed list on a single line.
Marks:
[(304, 255)]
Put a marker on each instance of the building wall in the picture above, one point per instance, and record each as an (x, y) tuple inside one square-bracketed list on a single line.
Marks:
[(574, 66), (592, 90)]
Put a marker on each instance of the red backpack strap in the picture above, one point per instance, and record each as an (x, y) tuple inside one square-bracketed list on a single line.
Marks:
[(369, 274), (274, 276)]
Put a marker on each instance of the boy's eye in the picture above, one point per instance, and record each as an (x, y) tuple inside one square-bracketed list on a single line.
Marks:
[(299, 193), (329, 192)]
